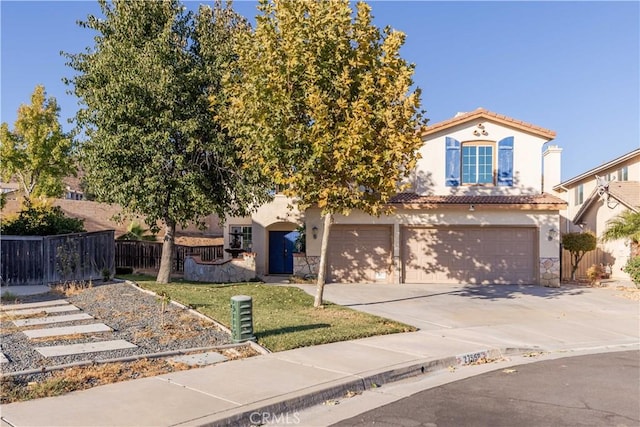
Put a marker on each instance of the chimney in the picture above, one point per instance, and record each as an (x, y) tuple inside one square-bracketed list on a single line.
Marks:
[(551, 169)]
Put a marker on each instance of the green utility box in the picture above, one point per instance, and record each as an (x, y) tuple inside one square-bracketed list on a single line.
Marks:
[(242, 319)]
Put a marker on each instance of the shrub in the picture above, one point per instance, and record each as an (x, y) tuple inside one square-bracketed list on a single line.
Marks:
[(42, 220), (136, 232), (124, 270), (595, 272), (632, 268), (578, 244)]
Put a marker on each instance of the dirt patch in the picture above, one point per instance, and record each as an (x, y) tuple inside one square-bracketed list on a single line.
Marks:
[(148, 321), (82, 378)]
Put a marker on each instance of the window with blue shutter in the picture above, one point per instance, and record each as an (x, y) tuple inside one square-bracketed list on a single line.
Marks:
[(452, 162), (505, 162), (477, 164)]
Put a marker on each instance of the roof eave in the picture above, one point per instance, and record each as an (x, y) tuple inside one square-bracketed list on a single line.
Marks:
[(591, 172), (488, 115), (483, 206)]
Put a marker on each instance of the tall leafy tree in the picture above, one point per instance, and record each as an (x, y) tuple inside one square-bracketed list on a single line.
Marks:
[(152, 142), (324, 104), (37, 152)]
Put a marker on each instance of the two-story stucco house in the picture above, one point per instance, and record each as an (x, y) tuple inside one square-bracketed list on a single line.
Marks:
[(595, 197), (475, 213)]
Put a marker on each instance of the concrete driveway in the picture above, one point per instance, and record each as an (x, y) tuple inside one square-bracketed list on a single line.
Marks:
[(517, 315)]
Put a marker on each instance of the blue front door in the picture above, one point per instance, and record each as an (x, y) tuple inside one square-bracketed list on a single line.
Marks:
[(281, 248)]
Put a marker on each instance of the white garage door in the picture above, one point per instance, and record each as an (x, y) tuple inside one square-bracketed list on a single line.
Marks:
[(360, 254), (504, 255)]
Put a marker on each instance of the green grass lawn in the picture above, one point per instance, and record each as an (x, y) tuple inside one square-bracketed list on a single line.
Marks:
[(283, 316)]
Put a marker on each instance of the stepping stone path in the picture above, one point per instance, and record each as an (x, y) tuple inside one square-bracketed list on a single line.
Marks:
[(90, 347), (47, 310), (54, 307), (67, 330), (34, 305), (51, 319), (200, 359)]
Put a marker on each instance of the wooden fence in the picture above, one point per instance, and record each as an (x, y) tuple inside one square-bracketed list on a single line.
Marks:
[(597, 256), (41, 260), (141, 255)]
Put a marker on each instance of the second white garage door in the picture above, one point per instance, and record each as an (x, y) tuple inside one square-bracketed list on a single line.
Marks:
[(360, 254), (501, 255)]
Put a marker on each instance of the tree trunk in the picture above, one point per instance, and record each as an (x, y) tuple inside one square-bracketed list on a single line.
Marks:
[(577, 257), (166, 262), (322, 268)]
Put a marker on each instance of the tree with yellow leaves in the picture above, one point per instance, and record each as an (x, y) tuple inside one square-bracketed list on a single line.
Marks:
[(37, 153), (323, 104)]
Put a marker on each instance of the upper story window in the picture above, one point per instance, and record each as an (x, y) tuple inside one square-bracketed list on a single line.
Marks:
[(579, 194), (477, 164), (474, 162), (623, 174)]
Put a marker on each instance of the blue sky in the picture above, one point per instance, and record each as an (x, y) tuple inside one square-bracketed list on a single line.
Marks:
[(573, 67)]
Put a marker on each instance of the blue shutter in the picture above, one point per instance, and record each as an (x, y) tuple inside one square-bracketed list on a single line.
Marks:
[(453, 162), (505, 162)]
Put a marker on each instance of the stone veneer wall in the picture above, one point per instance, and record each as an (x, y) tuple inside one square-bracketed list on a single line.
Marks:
[(550, 272), (227, 271), (305, 265)]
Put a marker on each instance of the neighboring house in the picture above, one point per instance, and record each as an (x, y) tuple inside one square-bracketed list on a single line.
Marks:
[(10, 189), (73, 188), (475, 213), (100, 216), (596, 196)]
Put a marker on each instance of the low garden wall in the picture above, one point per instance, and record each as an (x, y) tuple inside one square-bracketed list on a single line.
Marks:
[(305, 266), (234, 270)]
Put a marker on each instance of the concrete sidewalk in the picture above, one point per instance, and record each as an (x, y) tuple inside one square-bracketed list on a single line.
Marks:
[(458, 324)]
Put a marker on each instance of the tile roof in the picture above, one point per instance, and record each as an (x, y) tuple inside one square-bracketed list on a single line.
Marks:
[(435, 201), (627, 192), (481, 113), (99, 216)]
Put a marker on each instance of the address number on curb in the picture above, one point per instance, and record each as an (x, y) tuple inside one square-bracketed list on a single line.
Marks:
[(466, 359)]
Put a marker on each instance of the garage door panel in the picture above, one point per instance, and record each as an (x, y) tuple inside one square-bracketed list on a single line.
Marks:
[(360, 254), (468, 255)]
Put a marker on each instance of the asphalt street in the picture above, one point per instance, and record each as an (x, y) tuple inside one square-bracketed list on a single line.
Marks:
[(591, 390)]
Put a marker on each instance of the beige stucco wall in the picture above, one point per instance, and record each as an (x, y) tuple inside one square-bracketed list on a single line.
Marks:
[(617, 251), (590, 183), (599, 213), (281, 214), (551, 169), (527, 161)]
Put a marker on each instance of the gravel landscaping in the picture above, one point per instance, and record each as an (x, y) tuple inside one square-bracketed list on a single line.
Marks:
[(134, 315)]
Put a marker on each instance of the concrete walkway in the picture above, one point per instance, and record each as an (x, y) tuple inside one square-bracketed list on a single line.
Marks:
[(458, 325)]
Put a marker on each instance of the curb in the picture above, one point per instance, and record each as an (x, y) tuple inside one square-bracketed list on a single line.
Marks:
[(295, 402)]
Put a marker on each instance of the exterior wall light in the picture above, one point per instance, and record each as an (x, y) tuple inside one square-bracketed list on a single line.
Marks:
[(314, 231), (552, 234), (472, 208)]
